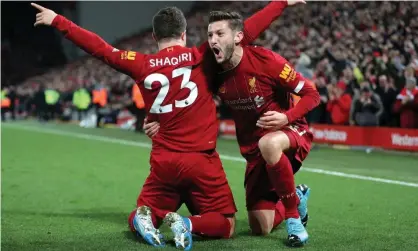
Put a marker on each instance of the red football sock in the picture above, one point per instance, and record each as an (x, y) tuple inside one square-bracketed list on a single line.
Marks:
[(278, 214), (214, 225), (281, 176)]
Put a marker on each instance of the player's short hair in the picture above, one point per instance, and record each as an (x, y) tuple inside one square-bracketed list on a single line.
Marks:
[(168, 23), (234, 19)]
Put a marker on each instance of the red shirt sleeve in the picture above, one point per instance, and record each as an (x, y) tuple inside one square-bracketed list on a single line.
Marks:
[(257, 23), (124, 61), (261, 20), (295, 83)]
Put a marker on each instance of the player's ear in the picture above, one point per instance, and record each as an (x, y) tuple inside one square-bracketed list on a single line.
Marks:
[(183, 36), (153, 36), (239, 35)]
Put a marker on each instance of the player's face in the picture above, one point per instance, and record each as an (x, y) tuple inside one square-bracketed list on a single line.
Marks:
[(221, 40)]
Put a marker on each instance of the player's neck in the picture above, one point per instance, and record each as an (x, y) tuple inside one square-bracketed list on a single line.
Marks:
[(234, 60), (167, 44)]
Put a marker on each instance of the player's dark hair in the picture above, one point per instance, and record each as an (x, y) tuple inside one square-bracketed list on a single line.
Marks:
[(168, 23), (234, 19)]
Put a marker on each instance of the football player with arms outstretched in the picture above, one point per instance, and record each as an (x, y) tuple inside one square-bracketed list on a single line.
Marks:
[(175, 84)]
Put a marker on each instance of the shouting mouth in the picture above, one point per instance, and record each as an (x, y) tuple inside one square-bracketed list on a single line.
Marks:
[(218, 53)]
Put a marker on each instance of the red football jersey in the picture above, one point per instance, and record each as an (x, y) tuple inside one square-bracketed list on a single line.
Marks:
[(175, 87), (262, 81), (174, 82)]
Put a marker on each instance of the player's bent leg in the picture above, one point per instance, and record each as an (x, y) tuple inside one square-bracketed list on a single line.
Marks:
[(279, 169), (157, 198), (210, 199), (261, 221), (213, 225), (280, 172), (265, 211), (265, 216), (272, 145)]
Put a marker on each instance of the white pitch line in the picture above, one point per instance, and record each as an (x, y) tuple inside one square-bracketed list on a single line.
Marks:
[(225, 157)]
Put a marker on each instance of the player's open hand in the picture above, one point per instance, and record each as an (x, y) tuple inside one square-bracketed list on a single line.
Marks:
[(294, 2), (45, 16), (151, 128), (272, 120)]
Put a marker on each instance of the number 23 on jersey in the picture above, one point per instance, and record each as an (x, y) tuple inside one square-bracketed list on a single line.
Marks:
[(185, 73)]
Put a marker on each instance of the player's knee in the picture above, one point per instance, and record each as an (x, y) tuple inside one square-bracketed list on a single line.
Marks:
[(277, 141), (273, 144)]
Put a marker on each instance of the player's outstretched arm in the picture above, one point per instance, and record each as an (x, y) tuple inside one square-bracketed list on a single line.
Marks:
[(88, 41), (261, 20), (295, 83)]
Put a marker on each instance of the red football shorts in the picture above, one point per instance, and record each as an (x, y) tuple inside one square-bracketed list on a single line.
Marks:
[(260, 193), (196, 179)]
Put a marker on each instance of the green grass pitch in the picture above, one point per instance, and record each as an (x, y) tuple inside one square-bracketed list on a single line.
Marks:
[(68, 188)]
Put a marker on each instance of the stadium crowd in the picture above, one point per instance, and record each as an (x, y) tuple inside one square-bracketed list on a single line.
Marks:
[(362, 57)]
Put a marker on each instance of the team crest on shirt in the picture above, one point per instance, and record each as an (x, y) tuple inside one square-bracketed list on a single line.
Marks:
[(252, 85)]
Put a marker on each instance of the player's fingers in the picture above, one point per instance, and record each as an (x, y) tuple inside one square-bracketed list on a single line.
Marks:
[(267, 118), (272, 123), (145, 123), (267, 123), (147, 132), (154, 131), (146, 126), (269, 113), (38, 6), (37, 23), (154, 127), (150, 125), (266, 127), (39, 15), (149, 135)]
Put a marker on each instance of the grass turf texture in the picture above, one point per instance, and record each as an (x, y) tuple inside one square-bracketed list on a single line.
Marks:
[(60, 192)]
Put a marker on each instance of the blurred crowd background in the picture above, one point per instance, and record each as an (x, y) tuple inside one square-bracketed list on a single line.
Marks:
[(362, 57)]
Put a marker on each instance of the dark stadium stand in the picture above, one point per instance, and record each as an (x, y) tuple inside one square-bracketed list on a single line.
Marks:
[(362, 45)]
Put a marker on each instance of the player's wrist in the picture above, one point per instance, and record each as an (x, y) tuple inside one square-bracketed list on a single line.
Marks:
[(289, 116), (57, 20)]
